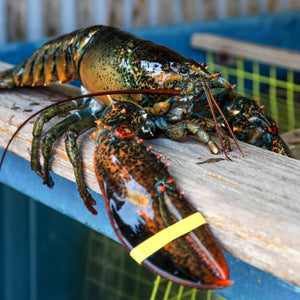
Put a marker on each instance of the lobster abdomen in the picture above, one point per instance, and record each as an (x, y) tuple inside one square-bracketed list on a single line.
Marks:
[(57, 60)]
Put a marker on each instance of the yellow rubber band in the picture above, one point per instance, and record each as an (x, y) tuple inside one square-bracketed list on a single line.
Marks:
[(165, 236)]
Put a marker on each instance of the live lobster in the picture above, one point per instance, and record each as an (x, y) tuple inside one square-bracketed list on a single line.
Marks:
[(148, 212)]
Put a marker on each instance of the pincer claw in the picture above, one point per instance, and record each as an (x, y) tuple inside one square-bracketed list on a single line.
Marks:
[(156, 224)]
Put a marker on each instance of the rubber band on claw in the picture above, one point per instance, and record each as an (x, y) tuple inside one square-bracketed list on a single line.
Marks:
[(165, 236)]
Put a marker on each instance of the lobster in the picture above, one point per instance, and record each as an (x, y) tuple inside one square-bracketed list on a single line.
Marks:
[(148, 212), (249, 122)]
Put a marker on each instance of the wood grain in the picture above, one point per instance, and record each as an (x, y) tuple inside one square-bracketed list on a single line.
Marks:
[(251, 203)]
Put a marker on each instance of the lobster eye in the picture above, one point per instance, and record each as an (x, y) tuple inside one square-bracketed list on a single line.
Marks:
[(183, 70)]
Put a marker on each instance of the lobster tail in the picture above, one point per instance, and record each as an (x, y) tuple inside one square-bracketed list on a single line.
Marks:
[(57, 60), (149, 214)]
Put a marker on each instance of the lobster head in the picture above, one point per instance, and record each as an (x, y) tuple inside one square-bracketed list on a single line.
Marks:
[(184, 74)]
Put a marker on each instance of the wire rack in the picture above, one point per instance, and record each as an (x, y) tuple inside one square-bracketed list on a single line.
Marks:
[(111, 274)]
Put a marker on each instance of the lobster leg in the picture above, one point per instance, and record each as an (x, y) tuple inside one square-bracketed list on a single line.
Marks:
[(56, 131), (38, 127), (76, 160), (197, 128), (151, 217), (278, 145)]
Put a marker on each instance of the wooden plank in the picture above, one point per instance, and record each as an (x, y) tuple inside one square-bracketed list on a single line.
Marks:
[(231, 47), (251, 203)]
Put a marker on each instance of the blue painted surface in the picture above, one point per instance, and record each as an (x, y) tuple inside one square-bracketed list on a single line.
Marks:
[(250, 282), (15, 251), (281, 30), (63, 197), (41, 257)]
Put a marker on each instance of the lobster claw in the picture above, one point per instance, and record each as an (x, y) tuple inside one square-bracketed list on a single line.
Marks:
[(150, 216)]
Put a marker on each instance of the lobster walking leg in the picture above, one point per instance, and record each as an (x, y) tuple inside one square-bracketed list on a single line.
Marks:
[(51, 136), (194, 127), (277, 144), (76, 160), (143, 200), (38, 127), (73, 125)]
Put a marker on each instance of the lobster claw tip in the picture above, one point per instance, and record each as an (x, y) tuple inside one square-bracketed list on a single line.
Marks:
[(222, 283), (217, 284), (207, 283)]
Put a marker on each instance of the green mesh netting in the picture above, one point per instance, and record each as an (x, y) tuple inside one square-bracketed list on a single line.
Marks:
[(111, 274), (276, 88)]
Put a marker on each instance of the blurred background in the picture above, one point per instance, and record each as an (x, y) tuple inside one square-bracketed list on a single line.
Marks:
[(34, 19)]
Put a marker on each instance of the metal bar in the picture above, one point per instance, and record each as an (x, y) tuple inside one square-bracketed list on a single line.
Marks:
[(243, 7), (177, 11), (100, 12), (199, 10), (222, 9), (3, 14), (34, 22), (263, 6), (127, 13), (284, 4), (153, 12), (68, 15), (290, 100)]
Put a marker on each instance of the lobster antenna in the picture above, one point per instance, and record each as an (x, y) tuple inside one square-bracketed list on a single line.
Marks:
[(117, 92), (227, 125), (212, 102)]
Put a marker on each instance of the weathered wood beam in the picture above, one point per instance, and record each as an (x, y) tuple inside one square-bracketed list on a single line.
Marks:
[(252, 204)]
